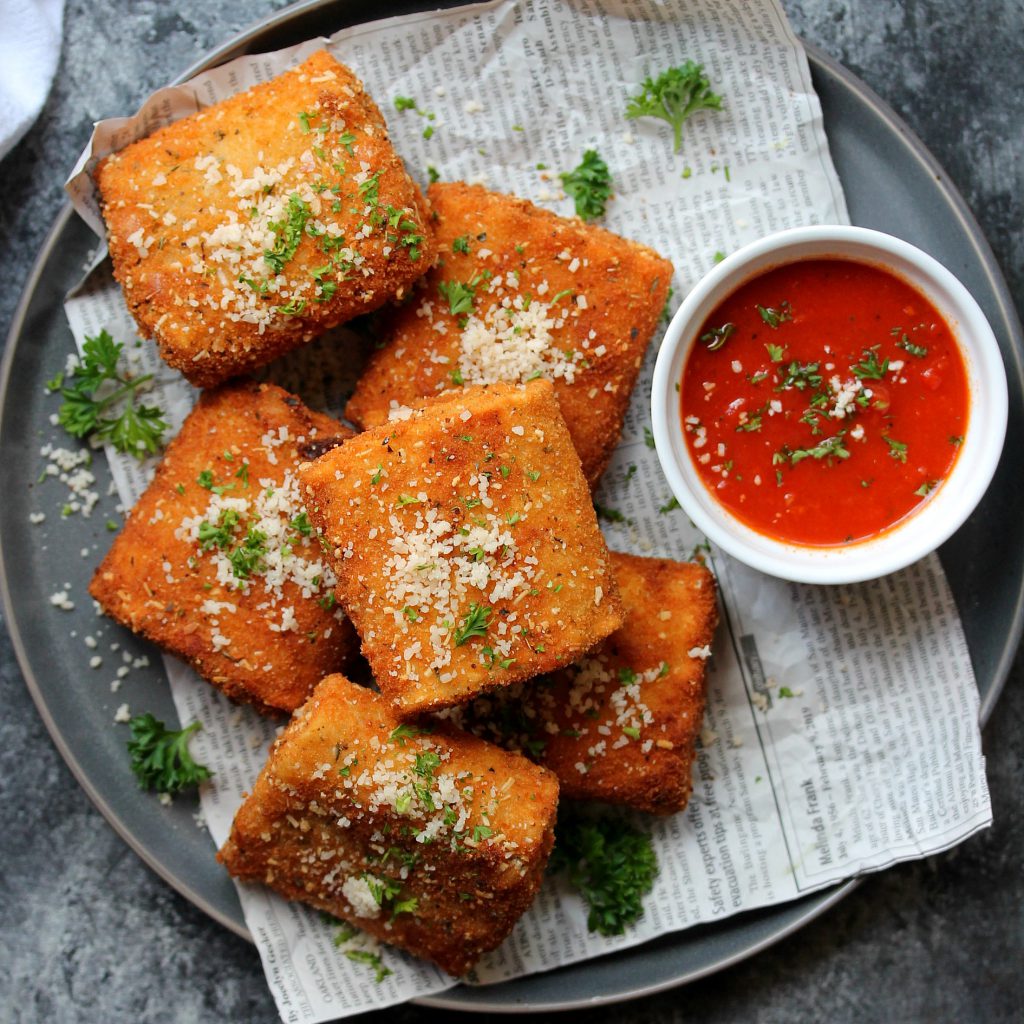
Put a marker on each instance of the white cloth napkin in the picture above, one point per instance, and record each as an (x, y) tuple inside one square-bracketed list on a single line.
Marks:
[(30, 33)]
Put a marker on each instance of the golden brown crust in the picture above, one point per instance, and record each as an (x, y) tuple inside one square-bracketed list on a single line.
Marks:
[(342, 798), (621, 725), (620, 285), (476, 502), (188, 250), (158, 580)]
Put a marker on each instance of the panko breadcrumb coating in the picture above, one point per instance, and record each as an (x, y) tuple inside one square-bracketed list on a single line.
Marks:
[(465, 544), (218, 562), (621, 725), (425, 837), (262, 221), (520, 293)]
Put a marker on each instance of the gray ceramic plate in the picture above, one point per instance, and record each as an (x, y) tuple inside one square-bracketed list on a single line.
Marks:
[(891, 183)]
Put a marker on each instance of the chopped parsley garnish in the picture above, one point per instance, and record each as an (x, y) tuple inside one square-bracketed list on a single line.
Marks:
[(830, 448), (293, 308), (926, 488), (221, 534), (461, 244), (481, 832), (247, 558), (718, 336), (459, 295), (99, 401), (773, 317), (406, 731), (456, 376), (669, 506), (800, 376), (897, 449), (406, 499), (302, 524), (869, 368), (920, 351), (287, 234), (205, 479), (589, 184), (612, 864), (372, 960), (776, 353), (785, 691), (405, 103), (432, 174), (648, 437), (956, 440), (368, 189), (474, 624), (674, 96), (160, 756), (610, 515)]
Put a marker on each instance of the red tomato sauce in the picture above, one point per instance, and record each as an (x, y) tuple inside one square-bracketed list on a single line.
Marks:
[(824, 401)]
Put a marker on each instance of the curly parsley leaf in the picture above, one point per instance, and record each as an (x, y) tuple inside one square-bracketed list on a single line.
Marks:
[(474, 624), (674, 96), (589, 185), (161, 759), (612, 864), (100, 402)]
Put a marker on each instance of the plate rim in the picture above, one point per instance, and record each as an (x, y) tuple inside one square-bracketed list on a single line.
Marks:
[(819, 903)]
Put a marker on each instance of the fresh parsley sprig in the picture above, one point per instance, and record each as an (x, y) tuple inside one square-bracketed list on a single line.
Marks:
[(673, 96), (161, 759), (589, 184), (100, 401), (611, 863)]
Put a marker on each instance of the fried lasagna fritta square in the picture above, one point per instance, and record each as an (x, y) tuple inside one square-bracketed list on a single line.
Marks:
[(219, 563), (620, 725), (262, 221), (520, 293), (466, 546), (426, 837)]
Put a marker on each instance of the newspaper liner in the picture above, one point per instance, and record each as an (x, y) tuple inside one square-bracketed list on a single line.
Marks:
[(842, 723)]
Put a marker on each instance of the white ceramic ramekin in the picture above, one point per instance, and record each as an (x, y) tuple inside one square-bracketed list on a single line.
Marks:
[(936, 519)]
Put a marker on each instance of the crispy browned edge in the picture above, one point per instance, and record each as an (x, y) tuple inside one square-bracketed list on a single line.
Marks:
[(290, 819), (569, 531), (154, 289), (626, 285), (131, 586)]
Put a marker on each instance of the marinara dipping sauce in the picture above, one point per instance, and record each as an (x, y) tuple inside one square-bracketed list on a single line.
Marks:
[(824, 401)]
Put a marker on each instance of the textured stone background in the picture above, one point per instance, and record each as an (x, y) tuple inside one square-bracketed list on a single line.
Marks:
[(87, 933)]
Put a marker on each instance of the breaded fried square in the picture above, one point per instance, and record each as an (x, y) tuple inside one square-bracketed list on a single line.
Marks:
[(262, 221), (621, 725), (520, 293), (427, 838), (218, 562), (466, 546)]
